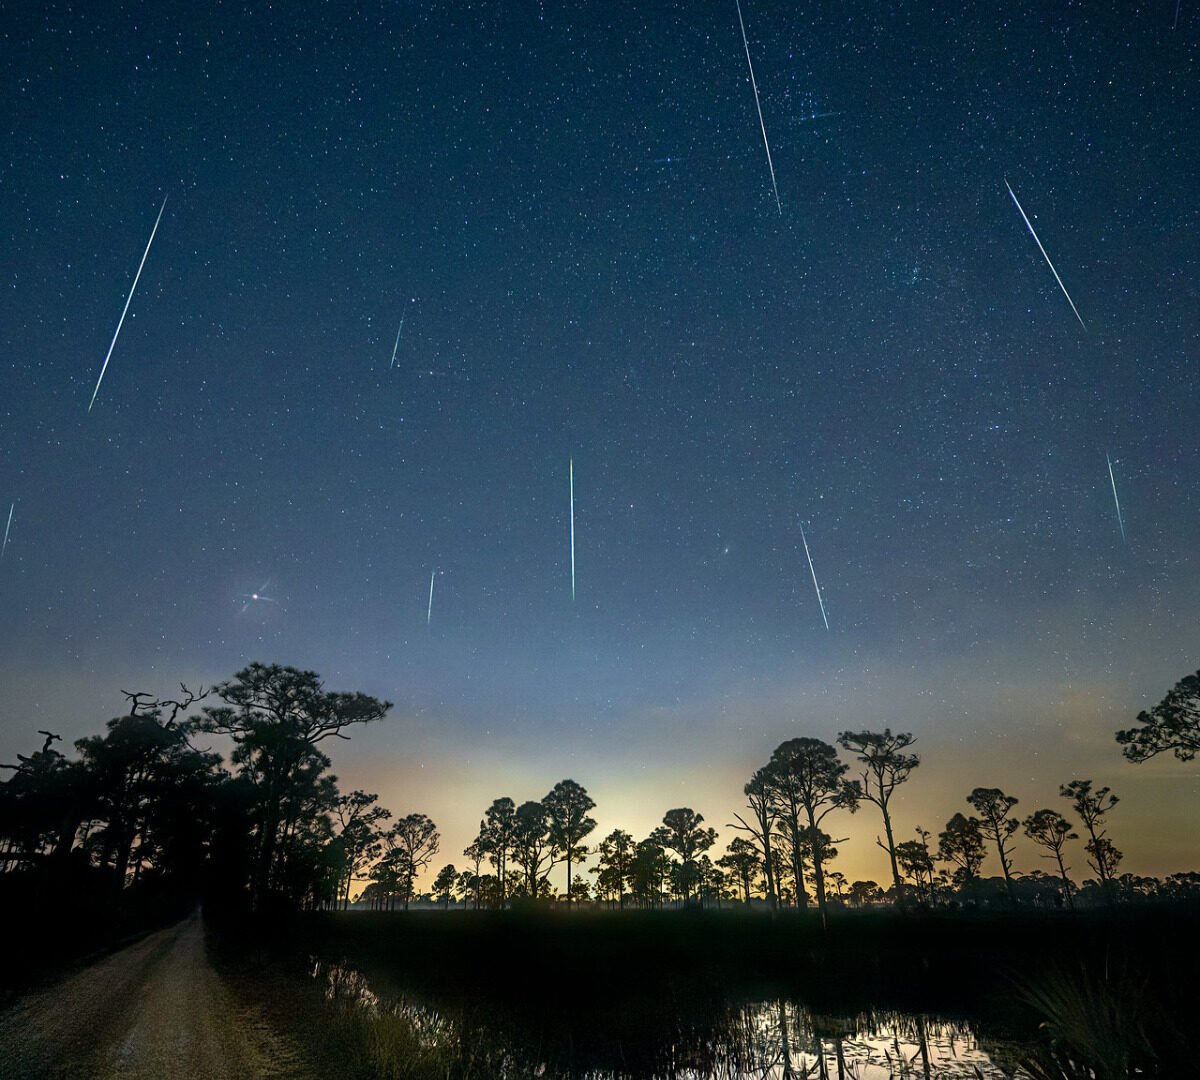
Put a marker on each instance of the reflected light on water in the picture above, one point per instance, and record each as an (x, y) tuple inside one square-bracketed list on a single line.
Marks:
[(764, 1040), (869, 1046)]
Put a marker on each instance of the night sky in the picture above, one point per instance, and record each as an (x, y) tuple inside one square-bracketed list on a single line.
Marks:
[(569, 209)]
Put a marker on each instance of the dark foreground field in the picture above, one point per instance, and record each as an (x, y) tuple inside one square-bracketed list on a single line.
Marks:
[(644, 994)]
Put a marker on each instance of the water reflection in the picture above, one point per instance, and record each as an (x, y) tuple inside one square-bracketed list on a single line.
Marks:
[(792, 1042), (695, 1038)]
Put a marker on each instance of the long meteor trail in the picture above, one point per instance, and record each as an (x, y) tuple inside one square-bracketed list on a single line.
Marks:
[(120, 322), (429, 613), (758, 105), (820, 599), (4, 546), (1112, 480), (571, 473), (1045, 256), (397, 345)]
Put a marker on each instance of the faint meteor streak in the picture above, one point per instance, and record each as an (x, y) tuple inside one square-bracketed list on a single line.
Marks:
[(121, 320), (571, 471), (396, 347), (1112, 480), (820, 599), (429, 613), (4, 546), (758, 105), (1046, 257)]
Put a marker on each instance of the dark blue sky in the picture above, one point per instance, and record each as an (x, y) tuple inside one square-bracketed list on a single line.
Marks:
[(570, 208)]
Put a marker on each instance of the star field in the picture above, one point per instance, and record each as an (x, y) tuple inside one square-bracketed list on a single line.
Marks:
[(569, 207)]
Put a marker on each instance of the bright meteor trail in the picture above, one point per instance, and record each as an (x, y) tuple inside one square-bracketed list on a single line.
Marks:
[(758, 105), (397, 345), (1112, 480), (429, 613), (572, 475), (820, 600), (121, 320), (4, 546), (1046, 257)]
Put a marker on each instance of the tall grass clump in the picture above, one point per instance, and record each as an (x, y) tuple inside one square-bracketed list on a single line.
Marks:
[(389, 1040), (1097, 1027)]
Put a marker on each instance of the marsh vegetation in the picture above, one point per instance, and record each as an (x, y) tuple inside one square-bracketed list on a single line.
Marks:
[(649, 995)]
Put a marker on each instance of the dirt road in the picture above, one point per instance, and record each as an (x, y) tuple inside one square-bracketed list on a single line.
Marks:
[(154, 1011)]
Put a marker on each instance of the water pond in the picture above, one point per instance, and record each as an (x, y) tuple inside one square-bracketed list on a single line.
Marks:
[(693, 1036)]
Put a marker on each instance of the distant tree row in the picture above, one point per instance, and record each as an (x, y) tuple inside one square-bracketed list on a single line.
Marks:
[(143, 807), (784, 850)]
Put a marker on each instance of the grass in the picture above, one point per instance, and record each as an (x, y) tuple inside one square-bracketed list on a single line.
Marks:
[(329, 1014), (1110, 1025), (871, 959), (602, 991)]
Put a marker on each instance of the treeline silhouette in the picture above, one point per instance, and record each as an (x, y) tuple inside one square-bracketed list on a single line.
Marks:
[(148, 818), (783, 854), (145, 821)]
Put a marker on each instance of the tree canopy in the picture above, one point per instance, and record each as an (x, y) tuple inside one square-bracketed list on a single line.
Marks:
[(276, 716), (994, 807), (1173, 724), (885, 766), (807, 777), (567, 808), (141, 806)]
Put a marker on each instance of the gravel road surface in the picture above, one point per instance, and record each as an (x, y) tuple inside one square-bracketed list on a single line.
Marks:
[(154, 1011)]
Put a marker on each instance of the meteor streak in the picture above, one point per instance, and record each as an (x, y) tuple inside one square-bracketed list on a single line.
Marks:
[(758, 105), (814, 577), (1116, 501), (397, 345), (121, 320), (1046, 257), (4, 546), (429, 613), (572, 475)]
